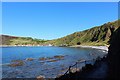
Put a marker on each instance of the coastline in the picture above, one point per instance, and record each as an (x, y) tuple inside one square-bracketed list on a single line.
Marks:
[(19, 45), (105, 48)]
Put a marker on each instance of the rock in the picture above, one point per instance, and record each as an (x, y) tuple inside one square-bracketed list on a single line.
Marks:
[(16, 63), (41, 77), (52, 60), (29, 59), (59, 75), (81, 60), (73, 70), (59, 57), (43, 58), (87, 67)]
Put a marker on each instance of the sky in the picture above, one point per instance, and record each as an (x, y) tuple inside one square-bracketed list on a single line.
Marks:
[(51, 20), (60, 0)]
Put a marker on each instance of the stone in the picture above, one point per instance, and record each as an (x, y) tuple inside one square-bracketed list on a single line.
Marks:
[(73, 70), (59, 75), (59, 57), (16, 63), (41, 77), (29, 59), (52, 60), (43, 58)]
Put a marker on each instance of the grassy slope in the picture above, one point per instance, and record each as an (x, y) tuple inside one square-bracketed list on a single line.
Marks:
[(12, 40), (5, 39), (95, 36), (26, 41)]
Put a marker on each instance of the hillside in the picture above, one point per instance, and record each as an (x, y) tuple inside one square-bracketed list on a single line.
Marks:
[(5, 39), (98, 35), (13, 40)]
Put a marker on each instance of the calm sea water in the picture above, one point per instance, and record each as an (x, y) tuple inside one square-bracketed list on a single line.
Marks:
[(34, 68)]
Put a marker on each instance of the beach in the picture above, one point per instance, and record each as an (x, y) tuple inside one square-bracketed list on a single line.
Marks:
[(95, 47)]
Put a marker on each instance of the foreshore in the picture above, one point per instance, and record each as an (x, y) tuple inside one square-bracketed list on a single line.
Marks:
[(23, 45), (83, 46), (19, 45), (95, 47)]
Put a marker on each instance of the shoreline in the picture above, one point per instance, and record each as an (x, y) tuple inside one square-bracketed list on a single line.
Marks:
[(20, 45), (105, 48)]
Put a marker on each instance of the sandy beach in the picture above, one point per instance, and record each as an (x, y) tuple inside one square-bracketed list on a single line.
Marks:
[(95, 47)]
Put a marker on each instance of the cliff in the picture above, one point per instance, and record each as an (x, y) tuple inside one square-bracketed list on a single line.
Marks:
[(114, 56)]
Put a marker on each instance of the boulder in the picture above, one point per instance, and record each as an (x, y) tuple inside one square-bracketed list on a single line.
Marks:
[(41, 77), (29, 59), (73, 70)]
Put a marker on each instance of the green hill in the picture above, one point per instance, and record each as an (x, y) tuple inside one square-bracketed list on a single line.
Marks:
[(13, 40), (5, 39), (98, 35)]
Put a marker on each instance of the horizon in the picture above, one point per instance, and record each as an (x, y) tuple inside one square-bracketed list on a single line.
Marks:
[(55, 20)]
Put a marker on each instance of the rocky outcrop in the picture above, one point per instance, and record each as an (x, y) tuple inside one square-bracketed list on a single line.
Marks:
[(52, 59), (16, 63), (114, 56)]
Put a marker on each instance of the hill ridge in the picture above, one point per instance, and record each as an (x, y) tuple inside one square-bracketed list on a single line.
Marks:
[(98, 35)]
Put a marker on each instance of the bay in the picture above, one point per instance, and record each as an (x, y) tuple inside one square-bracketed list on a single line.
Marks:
[(34, 68)]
